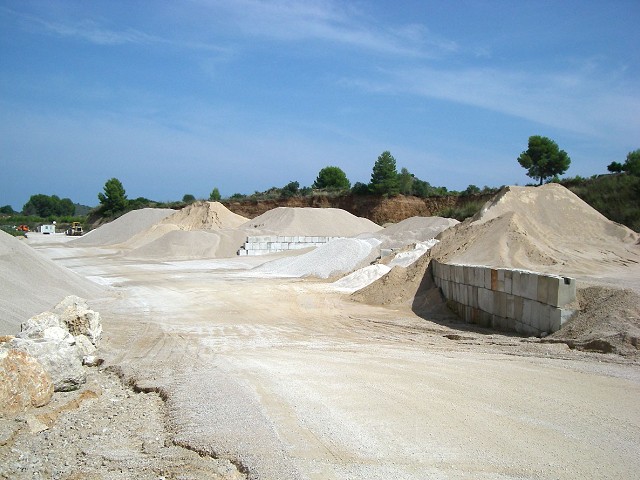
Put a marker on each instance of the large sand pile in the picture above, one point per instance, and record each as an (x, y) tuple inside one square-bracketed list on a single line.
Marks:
[(31, 283), (201, 230), (205, 216), (411, 230), (545, 229), (123, 228), (329, 222)]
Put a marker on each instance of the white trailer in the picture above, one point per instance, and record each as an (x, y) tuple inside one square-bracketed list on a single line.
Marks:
[(47, 229)]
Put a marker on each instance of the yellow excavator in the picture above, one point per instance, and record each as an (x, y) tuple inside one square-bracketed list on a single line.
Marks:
[(75, 230)]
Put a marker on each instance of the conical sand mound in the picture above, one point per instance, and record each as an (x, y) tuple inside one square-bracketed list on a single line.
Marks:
[(201, 230), (205, 216), (123, 228), (31, 283), (331, 222), (547, 229)]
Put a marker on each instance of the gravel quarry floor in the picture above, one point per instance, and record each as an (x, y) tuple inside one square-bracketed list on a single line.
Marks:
[(287, 379)]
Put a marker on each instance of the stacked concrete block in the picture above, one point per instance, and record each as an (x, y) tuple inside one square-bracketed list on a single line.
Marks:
[(265, 244), (516, 300)]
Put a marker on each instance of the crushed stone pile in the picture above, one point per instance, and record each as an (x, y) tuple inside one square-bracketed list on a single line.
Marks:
[(31, 283), (124, 227), (322, 222), (411, 230), (407, 257), (546, 229), (337, 257), (361, 278)]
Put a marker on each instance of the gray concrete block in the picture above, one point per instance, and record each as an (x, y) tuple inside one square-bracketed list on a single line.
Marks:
[(494, 279), (566, 291), (478, 277), (500, 282), (508, 277), (518, 308), (467, 274), (511, 307), (485, 300), (474, 297), (528, 311), (544, 318), (487, 278), (516, 288), (529, 285), (546, 286), (499, 304)]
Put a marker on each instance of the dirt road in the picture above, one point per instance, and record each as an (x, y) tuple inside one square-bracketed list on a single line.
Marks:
[(291, 380)]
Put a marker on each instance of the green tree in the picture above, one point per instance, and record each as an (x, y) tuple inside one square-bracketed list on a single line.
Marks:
[(215, 195), (188, 198), (332, 178), (384, 178), (543, 158), (290, 189), (114, 199), (7, 210), (632, 163), (615, 167), (48, 206), (405, 182)]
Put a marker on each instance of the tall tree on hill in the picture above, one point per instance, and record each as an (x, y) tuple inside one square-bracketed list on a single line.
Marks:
[(114, 199), (332, 178), (543, 158), (384, 178)]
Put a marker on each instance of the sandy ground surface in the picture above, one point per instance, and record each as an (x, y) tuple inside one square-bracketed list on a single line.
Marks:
[(289, 379)]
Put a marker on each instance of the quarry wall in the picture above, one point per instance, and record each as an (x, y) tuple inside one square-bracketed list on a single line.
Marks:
[(526, 302), (265, 244)]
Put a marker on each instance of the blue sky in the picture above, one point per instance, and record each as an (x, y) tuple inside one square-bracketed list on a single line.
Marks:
[(176, 97)]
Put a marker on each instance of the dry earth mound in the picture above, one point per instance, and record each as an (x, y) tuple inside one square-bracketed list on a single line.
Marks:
[(608, 321), (412, 230), (546, 229), (123, 228), (31, 283), (330, 222)]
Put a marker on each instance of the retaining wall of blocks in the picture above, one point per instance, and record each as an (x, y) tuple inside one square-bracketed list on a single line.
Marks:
[(263, 245), (516, 300)]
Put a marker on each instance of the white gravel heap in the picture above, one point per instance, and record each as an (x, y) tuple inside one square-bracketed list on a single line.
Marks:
[(361, 278), (404, 259), (337, 257)]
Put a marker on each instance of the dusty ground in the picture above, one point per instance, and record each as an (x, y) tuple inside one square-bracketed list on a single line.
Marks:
[(290, 380)]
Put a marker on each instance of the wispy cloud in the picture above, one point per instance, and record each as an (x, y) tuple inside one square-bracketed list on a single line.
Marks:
[(92, 31), (328, 21), (574, 101)]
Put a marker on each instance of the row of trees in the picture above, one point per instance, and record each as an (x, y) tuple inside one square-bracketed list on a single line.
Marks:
[(630, 166)]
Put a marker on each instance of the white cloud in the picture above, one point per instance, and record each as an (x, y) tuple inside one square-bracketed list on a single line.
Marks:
[(572, 101)]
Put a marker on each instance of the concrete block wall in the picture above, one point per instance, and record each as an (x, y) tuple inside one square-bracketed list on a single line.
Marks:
[(516, 300), (265, 244)]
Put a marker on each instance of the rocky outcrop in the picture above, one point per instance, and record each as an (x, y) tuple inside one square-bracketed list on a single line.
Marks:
[(59, 342), (79, 319), (24, 382)]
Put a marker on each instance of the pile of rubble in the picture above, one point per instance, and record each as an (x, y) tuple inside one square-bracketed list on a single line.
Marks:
[(48, 355)]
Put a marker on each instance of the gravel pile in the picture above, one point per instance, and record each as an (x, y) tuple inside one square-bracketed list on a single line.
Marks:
[(337, 257)]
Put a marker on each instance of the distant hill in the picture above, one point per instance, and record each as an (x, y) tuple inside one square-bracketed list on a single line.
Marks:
[(82, 210)]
